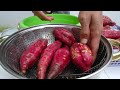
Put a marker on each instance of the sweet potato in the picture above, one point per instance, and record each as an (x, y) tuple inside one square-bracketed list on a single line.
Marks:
[(75, 32), (46, 57), (107, 21), (113, 34), (31, 55), (64, 35), (65, 46), (60, 62), (81, 56), (107, 27)]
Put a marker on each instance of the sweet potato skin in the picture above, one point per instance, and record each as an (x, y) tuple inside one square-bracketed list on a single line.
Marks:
[(31, 55), (64, 35), (81, 56), (60, 62), (46, 58), (111, 34), (107, 21)]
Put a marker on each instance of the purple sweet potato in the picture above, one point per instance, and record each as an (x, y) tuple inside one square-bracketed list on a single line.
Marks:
[(60, 62), (31, 55), (64, 35), (81, 56), (46, 58)]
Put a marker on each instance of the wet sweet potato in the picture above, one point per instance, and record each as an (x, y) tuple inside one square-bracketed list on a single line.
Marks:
[(81, 56), (64, 35), (46, 58), (31, 55), (60, 62)]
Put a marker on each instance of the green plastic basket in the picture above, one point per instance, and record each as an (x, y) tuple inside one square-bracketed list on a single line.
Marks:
[(58, 19)]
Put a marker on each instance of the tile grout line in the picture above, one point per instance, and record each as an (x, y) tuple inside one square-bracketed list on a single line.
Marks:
[(107, 74)]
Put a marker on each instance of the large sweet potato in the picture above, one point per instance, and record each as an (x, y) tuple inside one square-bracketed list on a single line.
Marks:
[(46, 57), (64, 35), (31, 55), (81, 56), (60, 62)]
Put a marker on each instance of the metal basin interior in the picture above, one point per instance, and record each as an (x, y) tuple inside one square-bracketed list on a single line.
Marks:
[(12, 48)]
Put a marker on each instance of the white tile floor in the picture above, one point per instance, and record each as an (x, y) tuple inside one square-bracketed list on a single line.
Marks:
[(113, 72), (109, 73)]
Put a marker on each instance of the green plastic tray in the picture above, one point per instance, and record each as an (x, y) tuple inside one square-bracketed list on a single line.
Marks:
[(58, 19)]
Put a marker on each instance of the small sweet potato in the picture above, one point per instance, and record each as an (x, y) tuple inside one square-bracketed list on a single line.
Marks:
[(31, 55), (46, 58)]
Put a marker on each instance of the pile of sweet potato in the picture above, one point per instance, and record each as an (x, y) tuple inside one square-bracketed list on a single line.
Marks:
[(52, 59), (110, 30)]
